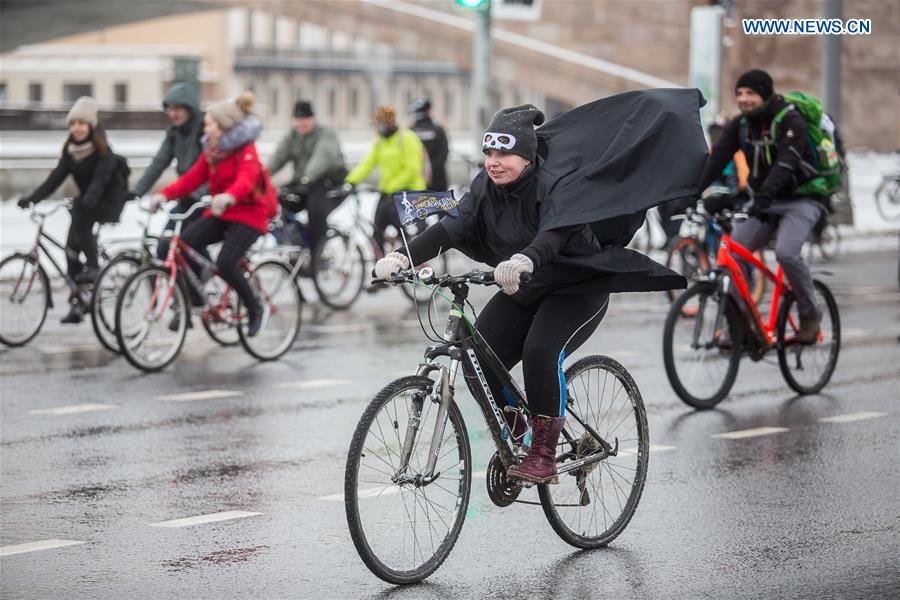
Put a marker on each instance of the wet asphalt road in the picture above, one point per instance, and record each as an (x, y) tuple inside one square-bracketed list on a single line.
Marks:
[(810, 512)]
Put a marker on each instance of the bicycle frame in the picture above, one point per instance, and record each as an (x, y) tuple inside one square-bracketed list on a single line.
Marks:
[(466, 349), (726, 261)]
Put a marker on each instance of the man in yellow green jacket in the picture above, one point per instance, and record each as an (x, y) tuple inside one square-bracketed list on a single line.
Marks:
[(400, 158)]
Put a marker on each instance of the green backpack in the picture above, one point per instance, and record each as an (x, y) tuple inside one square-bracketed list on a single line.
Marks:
[(825, 170)]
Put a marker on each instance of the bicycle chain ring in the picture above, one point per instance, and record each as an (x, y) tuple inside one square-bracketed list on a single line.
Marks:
[(501, 490)]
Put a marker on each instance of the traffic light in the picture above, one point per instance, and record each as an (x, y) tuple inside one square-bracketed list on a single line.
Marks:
[(474, 4)]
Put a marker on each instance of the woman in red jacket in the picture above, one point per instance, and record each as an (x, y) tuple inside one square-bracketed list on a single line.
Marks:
[(234, 217)]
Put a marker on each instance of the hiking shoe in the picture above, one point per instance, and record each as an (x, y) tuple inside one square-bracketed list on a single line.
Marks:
[(809, 331)]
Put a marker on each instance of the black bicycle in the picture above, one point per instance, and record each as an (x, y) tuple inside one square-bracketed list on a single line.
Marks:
[(409, 469)]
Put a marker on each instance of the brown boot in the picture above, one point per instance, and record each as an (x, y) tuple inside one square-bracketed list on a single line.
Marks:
[(539, 465), (809, 331)]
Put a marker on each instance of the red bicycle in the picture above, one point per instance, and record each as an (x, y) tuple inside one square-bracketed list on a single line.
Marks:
[(154, 306), (716, 321)]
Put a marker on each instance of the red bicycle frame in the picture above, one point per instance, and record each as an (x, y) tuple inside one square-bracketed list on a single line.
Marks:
[(725, 260)]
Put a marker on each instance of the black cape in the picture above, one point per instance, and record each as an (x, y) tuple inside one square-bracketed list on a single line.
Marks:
[(621, 155), (592, 166)]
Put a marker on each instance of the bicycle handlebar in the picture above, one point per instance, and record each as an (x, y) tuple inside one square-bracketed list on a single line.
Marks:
[(38, 217), (427, 276)]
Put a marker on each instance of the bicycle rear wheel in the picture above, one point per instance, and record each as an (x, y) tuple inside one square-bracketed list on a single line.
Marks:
[(807, 368), (282, 311), (339, 270), (404, 530), (106, 293), (702, 360), (592, 505), (829, 242), (24, 299), (151, 319)]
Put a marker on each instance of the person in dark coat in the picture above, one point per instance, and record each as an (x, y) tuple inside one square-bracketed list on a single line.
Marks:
[(776, 173), (88, 158), (181, 144), (434, 138), (516, 219)]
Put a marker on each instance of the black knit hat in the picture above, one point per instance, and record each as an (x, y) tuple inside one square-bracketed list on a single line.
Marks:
[(757, 80), (512, 130), (303, 108)]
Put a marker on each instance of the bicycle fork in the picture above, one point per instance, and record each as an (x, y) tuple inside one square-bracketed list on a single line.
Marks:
[(448, 377)]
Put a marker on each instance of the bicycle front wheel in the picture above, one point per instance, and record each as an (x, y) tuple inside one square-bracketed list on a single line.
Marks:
[(887, 199), (688, 258), (151, 319), (106, 293), (592, 505), (403, 527), (282, 307), (339, 270), (702, 341), (807, 368), (24, 299)]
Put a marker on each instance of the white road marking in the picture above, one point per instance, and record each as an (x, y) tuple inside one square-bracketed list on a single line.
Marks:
[(33, 546), (312, 383), (71, 409), (68, 349), (346, 328), (204, 395), (849, 332), (653, 448), (210, 518), (749, 433), (850, 417)]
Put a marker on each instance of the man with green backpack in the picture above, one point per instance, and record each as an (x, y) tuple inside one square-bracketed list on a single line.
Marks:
[(794, 168)]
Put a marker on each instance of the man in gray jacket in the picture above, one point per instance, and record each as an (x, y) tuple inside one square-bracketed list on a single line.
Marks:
[(182, 143), (319, 170)]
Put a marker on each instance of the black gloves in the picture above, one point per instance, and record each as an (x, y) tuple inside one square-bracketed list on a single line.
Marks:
[(24, 202), (759, 206)]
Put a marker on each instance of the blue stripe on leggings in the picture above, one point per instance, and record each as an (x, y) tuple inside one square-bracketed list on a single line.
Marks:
[(562, 384)]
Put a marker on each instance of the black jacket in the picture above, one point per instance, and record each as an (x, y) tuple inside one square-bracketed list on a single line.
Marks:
[(435, 141), (776, 175), (102, 191), (496, 222)]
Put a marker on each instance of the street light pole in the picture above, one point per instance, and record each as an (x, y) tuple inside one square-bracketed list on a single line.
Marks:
[(481, 73), (831, 63)]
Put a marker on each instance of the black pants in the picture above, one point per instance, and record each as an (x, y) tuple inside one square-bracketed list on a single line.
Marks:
[(81, 240), (162, 249), (541, 336), (385, 214), (236, 239), (318, 206)]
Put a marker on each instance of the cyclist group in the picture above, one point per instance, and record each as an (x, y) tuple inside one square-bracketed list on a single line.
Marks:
[(556, 260)]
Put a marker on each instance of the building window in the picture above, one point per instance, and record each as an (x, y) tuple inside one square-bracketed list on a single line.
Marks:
[(3, 92), (74, 91), (35, 93), (332, 103), (449, 107), (120, 95), (274, 96), (354, 102)]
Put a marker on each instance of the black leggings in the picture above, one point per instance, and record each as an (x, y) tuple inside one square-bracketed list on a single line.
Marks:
[(318, 206), (541, 336), (236, 239), (385, 214), (81, 240)]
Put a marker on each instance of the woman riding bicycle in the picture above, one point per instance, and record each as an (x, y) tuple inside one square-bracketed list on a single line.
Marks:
[(234, 217), (510, 221), (103, 186)]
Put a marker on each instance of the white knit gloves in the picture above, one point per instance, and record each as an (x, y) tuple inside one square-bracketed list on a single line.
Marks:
[(220, 204), (390, 264), (507, 273)]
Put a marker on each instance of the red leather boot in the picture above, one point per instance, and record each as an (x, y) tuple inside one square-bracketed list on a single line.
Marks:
[(539, 465)]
